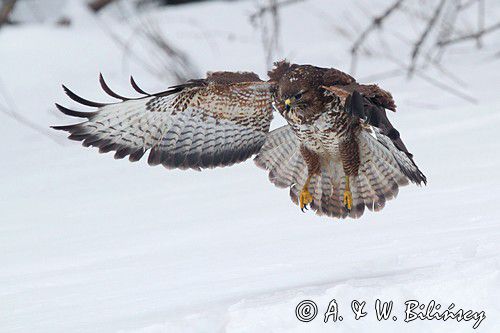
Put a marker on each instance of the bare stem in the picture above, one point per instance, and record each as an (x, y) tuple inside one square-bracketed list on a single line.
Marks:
[(375, 24), (425, 34)]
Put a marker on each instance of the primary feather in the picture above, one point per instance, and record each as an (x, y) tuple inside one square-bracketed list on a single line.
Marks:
[(202, 124)]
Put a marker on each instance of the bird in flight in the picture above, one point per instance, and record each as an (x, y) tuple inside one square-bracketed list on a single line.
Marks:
[(337, 155)]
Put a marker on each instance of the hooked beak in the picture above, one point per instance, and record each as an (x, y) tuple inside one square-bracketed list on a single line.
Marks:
[(288, 104)]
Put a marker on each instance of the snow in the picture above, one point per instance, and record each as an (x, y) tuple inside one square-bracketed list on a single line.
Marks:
[(90, 244)]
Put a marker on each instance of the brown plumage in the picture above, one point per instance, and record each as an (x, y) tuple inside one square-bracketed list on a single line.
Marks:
[(339, 153)]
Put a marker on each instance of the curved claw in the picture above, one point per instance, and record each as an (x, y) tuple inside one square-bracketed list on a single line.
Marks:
[(347, 201), (305, 198)]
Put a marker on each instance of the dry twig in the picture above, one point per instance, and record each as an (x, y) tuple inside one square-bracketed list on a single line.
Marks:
[(470, 36), (169, 62), (417, 47), (437, 83), (97, 5), (272, 7), (375, 24), (10, 110), (267, 18)]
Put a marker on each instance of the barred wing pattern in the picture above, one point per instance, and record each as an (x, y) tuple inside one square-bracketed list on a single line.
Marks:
[(218, 121)]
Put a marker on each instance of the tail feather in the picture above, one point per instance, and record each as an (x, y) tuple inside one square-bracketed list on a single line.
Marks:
[(280, 155), (326, 191), (383, 169), (366, 191), (358, 207), (381, 184), (404, 162), (286, 171)]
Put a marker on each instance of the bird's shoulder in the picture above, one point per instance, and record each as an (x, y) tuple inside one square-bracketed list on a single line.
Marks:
[(333, 81)]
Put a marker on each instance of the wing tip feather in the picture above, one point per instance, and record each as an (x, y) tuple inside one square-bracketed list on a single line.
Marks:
[(109, 91), (136, 87), (74, 113), (81, 100)]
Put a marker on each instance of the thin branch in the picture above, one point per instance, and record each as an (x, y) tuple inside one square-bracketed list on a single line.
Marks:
[(273, 6), (423, 37), (270, 30), (180, 64), (467, 37), (446, 87), (375, 24), (11, 111), (481, 8), (170, 61), (455, 78), (437, 83), (97, 5), (270, 26)]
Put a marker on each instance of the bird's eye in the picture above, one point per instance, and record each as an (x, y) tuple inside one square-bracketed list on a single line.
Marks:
[(298, 96)]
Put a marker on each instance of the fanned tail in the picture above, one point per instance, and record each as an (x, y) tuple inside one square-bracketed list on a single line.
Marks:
[(325, 189), (280, 155), (383, 169)]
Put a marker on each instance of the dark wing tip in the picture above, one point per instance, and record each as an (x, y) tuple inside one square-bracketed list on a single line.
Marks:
[(378, 95), (63, 127), (225, 78), (74, 113), (81, 100), (354, 105), (137, 155), (108, 90), (137, 88), (421, 178)]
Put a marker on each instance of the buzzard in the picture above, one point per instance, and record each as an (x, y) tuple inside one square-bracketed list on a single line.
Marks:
[(338, 154)]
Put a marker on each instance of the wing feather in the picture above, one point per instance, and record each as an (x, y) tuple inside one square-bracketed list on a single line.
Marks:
[(206, 123)]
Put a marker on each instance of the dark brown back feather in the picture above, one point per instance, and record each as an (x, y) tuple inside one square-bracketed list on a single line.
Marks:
[(333, 76), (232, 77), (377, 95), (280, 68)]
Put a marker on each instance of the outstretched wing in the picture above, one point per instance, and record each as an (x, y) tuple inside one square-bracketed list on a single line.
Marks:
[(217, 121), (369, 103)]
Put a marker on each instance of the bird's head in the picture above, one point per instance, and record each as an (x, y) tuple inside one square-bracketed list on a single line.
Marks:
[(298, 91), (294, 100)]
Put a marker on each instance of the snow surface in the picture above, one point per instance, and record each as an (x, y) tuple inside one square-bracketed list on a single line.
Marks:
[(90, 244)]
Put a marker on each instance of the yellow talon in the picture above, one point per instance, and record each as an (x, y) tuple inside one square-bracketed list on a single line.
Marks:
[(305, 198), (347, 201)]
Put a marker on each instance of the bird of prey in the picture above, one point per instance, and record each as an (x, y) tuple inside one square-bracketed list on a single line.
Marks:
[(338, 154)]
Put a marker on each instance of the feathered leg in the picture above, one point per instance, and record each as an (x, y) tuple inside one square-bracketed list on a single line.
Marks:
[(347, 201), (313, 168), (349, 154), (305, 197)]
